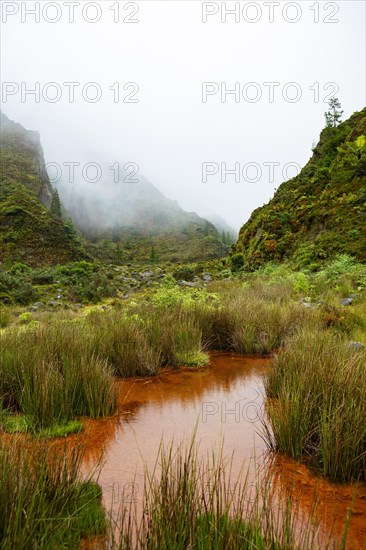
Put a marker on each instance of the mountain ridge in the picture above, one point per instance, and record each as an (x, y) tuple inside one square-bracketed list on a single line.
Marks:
[(124, 221), (319, 213), (29, 232)]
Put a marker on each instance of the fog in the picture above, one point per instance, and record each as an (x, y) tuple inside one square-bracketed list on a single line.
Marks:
[(161, 73)]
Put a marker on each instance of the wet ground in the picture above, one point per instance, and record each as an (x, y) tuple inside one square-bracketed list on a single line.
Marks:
[(223, 403)]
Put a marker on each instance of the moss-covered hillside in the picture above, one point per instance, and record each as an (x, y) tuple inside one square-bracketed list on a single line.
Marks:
[(28, 231), (321, 212)]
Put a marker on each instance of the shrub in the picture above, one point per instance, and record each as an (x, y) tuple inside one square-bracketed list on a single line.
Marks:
[(19, 267), (237, 262)]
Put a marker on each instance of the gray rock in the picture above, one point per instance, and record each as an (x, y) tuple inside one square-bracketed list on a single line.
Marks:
[(53, 303), (187, 284), (39, 304), (128, 280), (305, 303), (146, 274), (356, 345), (346, 301)]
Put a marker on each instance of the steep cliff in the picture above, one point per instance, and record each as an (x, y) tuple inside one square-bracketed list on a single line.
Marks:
[(29, 232), (319, 213)]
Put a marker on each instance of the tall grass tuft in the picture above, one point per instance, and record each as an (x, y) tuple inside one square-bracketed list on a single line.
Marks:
[(43, 501), (251, 320), (190, 502), (122, 341), (316, 408), (51, 374)]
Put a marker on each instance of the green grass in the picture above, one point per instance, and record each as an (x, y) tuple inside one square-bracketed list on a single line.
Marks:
[(51, 375), (18, 423), (5, 317), (316, 406), (58, 366), (192, 502), (62, 430), (43, 501)]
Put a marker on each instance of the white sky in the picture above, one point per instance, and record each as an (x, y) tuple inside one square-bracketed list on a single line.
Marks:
[(169, 53)]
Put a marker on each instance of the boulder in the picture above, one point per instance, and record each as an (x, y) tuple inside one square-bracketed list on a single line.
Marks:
[(356, 346)]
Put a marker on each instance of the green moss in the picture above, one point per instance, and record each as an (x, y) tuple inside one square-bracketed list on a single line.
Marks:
[(62, 430), (13, 423), (18, 423), (197, 359), (321, 212)]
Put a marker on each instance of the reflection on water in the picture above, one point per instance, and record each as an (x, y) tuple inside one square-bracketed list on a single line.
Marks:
[(223, 402), (333, 502)]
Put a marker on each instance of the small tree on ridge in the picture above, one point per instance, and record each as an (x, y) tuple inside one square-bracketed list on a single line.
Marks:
[(334, 115)]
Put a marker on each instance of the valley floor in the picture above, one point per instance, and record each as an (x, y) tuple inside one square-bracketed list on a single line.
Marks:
[(67, 334)]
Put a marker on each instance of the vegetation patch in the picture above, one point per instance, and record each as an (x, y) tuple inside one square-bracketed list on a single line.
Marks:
[(193, 503), (316, 407), (43, 501)]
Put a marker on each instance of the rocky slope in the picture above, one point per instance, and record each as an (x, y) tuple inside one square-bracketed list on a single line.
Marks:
[(28, 231), (321, 212), (121, 221)]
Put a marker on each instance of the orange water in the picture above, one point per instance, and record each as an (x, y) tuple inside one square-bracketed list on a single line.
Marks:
[(224, 402)]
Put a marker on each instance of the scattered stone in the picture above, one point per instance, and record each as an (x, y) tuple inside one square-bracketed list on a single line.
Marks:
[(36, 306), (187, 284), (53, 303), (146, 274), (304, 302), (128, 280), (346, 301), (356, 346), (116, 269), (79, 306), (207, 277)]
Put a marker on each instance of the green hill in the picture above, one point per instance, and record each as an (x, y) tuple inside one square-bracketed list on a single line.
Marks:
[(29, 232), (321, 212), (135, 217), (129, 221)]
